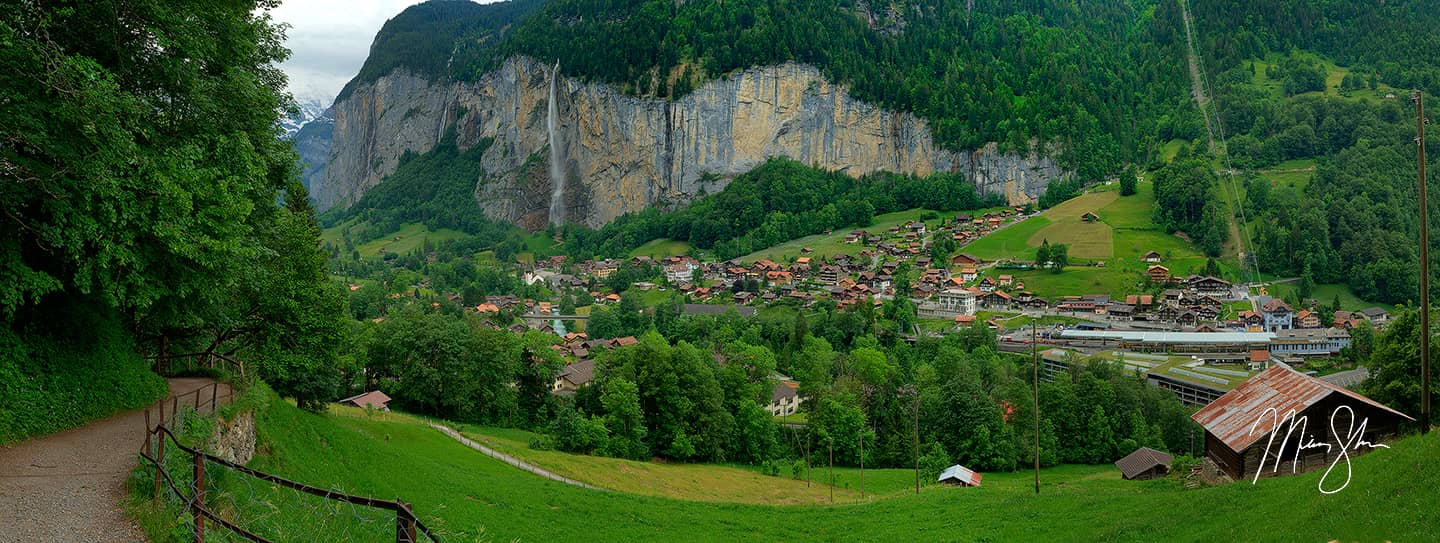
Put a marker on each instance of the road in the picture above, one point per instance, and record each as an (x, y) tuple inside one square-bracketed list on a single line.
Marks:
[(537, 470), (70, 486)]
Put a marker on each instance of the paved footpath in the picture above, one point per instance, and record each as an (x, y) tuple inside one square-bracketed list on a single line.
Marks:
[(70, 486), (537, 470)]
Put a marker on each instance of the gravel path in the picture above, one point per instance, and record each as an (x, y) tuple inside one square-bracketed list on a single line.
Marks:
[(509, 459), (70, 486)]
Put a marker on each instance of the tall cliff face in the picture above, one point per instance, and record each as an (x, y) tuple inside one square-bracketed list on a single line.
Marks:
[(621, 154)]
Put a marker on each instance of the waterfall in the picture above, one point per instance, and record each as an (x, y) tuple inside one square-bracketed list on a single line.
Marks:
[(557, 174)]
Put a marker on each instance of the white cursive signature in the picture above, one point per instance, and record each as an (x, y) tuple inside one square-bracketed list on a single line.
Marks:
[(1352, 440)]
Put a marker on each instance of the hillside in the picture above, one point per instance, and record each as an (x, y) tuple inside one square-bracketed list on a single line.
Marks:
[(465, 494)]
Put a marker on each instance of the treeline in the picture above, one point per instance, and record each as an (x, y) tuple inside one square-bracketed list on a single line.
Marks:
[(424, 39), (150, 208), (777, 202), (694, 388)]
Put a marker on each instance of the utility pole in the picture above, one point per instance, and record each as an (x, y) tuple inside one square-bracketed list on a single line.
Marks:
[(1035, 358), (862, 463), (916, 427), (832, 469), (1424, 270)]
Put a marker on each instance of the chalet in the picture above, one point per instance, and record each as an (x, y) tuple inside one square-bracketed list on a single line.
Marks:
[(1037, 303), (996, 299), (1007, 280), (1277, 315), (784, 399), (1213, 286), (968, 274), (987, 284), (1121, 312), (1375, 315), (964, 321), (803, 261), (1140, 301), (1172, 296), (1151, 257), (777, 278), (993, 222), (369, 400), (1252, 320), (1158, 273), (1089, 217), (766, 265), (574, 376), (965, 260), (830, 275), (1206, 313), (1307, 319), (1243, 450), (958, 475), (1143, 464)]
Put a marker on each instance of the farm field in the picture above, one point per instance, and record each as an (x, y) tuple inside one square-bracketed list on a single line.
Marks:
[(1124, 233), (661, 248), (467, 496)]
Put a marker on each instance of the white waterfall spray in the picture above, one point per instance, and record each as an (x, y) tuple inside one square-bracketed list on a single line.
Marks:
[(557, 173)]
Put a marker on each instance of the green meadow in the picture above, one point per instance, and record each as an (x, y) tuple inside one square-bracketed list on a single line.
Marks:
[(466, 496)]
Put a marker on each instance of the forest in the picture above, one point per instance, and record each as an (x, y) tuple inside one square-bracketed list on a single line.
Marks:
[(779, 201)]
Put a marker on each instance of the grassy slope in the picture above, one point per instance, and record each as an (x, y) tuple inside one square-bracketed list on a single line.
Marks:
[(826, 245), (661, 248), (464, 493), (1125, 223), (408, 238)]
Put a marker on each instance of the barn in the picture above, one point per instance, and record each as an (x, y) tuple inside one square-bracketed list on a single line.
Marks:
[(1144, 463), (369, 400), (1280, 421), (959, 475)]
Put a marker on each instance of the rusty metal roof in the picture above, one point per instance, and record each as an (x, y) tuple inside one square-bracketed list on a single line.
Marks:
[(960, 474), (1232, 416)]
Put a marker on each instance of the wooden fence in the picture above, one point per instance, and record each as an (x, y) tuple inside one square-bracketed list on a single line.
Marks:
[(407, 526)]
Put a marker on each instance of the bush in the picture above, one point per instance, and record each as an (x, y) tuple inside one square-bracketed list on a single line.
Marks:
[(797, 469), (75, 364)]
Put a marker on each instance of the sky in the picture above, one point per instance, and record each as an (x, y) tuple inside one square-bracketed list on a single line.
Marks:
[(329, 40)]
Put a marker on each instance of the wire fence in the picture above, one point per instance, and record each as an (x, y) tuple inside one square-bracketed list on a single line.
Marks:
[(217, 500)]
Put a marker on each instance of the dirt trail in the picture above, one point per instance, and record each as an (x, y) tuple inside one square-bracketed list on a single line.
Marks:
[(1197, 79), (70, 486)]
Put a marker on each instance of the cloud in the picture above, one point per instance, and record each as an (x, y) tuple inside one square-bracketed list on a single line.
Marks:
[(329, 40)]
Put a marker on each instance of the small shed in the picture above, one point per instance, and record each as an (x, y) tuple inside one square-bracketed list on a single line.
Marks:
[(959, 475), (373, 399), (1145, 463), (1090, 217)]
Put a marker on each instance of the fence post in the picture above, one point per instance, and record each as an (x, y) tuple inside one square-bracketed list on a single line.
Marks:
[(404, 523), (159, 458), (175, 409), (199, 502), (148, 429), (197, 400), (214, 391)]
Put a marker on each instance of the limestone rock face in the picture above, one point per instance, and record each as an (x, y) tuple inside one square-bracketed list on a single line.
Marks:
[(622, 154)]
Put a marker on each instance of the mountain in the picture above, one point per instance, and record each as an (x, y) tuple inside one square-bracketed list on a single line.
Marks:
[(644, 119), (308, 111)]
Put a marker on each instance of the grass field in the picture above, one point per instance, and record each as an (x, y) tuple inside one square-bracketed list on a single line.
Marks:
[(826, 245), (409, 237), (661, 248), (1092, 240), (1125, 232), (466, 496), (1334, 75)]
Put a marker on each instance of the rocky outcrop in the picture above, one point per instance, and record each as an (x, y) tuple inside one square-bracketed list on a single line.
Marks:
[(621, 153), (312, 143), (234, 440)]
